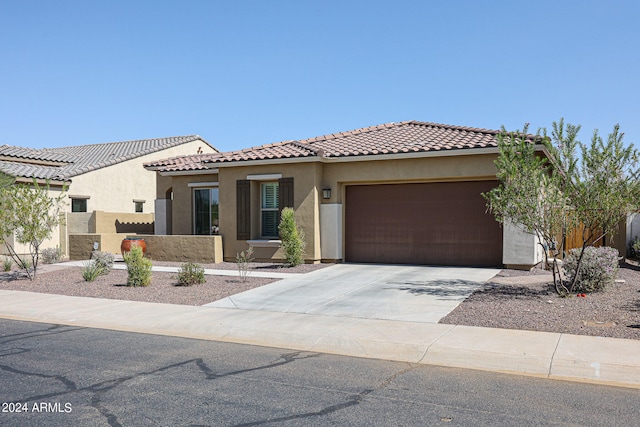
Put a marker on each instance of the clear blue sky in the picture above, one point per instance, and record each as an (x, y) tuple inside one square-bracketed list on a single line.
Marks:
[(243, 73)]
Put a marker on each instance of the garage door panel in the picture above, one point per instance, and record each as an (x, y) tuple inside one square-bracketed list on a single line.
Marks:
[(432, 223)]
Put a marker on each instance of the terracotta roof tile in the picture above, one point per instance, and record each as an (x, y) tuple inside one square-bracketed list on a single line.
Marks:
[(389, 138)]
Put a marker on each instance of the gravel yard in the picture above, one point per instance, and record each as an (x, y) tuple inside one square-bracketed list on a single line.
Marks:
[(163, 289), (614, 312)]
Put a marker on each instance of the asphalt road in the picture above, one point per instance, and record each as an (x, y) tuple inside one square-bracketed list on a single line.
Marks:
[(66, 376)]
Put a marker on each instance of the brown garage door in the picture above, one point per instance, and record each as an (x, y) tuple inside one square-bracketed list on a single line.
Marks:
[(432, 223)]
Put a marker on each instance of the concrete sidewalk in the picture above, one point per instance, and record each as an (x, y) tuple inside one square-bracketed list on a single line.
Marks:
[(548, 355)]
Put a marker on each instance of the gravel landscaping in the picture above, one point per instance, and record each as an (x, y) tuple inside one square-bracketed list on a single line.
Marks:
[(163, 288), (615, 312)]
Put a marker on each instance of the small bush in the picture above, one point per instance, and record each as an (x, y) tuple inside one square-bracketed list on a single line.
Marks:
[(191, 274), (91, 271), (244, 260), (292, 238), (138, 267), (25, 263), (104, 260), (51, 255), (598, 269), (7, 263), (634, 248)]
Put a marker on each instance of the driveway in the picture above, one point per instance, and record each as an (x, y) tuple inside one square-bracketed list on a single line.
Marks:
[(391, 292)]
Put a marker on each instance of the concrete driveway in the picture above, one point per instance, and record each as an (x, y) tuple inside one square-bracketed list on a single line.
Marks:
[(391, 292)]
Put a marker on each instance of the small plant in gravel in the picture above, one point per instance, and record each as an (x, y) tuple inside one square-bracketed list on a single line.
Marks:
[(91, 271), (7, 263), (598, 269), (104, 260), (51, 255), (244, 260), (25, 263), (191, 274), (138, 267)]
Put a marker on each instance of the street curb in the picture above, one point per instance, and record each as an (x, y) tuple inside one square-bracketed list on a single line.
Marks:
[(609, 361)]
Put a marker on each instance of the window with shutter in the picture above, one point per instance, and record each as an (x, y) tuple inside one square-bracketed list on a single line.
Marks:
[(286, 193), (269, 211), (243, 209)]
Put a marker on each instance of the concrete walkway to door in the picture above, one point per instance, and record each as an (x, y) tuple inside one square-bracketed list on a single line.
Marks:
[(388, 292)]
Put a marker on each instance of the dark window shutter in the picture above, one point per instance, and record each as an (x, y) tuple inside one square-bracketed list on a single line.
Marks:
[(285, 198), (243, 209)]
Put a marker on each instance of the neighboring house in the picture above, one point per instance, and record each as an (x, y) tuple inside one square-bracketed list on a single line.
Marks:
[(405, 192), (100, 177)]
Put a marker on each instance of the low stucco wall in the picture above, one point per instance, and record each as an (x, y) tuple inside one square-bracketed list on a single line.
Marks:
[(204, 249), (120, 222), (81, 245), (183, 248)]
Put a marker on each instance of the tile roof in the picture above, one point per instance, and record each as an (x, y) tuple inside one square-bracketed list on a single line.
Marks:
[(66, 162), (31, 154), (390, 138)]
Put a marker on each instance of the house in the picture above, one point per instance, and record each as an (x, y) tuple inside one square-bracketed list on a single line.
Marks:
[(104, 177), (408, 192)]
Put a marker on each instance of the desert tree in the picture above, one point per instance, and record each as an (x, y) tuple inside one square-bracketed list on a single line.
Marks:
[(603, 185), (29, 213), (530, 195), (548, 190)]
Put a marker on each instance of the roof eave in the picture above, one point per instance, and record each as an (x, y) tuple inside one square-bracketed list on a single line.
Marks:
[(42, 181), (361, 158), (414, 155), (188, 172), (284, 160)]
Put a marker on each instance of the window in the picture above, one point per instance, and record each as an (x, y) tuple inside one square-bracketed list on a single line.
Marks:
[(139, 206), (269, 212), (261, 209), (78, 205), (205, 208)]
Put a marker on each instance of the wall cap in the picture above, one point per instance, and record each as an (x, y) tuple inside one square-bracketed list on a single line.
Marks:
[(265, 243)]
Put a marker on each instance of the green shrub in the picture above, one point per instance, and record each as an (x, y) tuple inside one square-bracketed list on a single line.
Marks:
[(244, 260), (25, 263), (634, 248), (104, 260), (138, 267), (91, 271), (51, 255), (191, 274), (292, 238), (598, 269), (7, 263)]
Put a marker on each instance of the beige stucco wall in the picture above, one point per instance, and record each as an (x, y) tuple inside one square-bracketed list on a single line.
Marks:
[(182, 204), (309, 180), (427, 169), (117, 222), (81, 245), (163, 184), (204, 249), (78, 222), (306, 204), (113, 188)]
